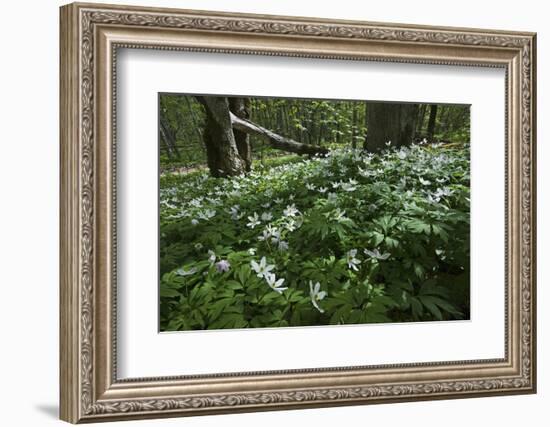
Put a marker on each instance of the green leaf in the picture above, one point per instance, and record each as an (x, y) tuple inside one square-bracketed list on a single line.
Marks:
[(429, 303), (233, 284), (377, 238), (391, 242), (167, 292), (417, 309), (244, 274)]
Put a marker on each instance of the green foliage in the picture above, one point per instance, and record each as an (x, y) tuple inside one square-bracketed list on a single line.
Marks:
[(327, 123), (350, 238), (183, 118)]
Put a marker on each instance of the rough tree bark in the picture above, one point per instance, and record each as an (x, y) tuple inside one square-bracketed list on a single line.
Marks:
[(390, 122), (240, 107), (431, 121), (226, 136), (222, 154)]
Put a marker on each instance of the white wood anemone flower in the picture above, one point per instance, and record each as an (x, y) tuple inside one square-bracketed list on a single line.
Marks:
[(375, 254), (316, 295), (275, 284), (263, 268), (351, 260)]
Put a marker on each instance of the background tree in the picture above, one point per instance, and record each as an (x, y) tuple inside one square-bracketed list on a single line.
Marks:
[(431, 121), (168, 138), (390, 122)]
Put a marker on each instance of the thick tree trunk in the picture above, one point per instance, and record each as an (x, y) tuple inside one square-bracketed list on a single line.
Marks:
[(240, 107), (221, 148), (274, 139), (390, 122), (431, 121)]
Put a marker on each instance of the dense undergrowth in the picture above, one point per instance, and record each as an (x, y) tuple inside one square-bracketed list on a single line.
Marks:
[(350, 238)]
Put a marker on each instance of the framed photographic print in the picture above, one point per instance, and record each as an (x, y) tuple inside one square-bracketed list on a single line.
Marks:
[(267, 212)]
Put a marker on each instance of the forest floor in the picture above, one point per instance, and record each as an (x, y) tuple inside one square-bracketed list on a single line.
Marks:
[(351, 238)]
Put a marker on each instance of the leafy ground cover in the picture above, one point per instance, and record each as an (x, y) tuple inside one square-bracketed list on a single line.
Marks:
[(350, 238)]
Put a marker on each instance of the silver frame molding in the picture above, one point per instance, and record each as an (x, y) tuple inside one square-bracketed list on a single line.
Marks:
[(90, 37)]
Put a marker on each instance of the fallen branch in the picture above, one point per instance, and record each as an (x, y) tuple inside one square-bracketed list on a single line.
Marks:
[(275, 140)]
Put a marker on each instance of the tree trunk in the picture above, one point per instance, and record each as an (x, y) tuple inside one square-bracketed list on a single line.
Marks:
[(221, 148), (274, 139), (167, 135), (365, 135), (390, 122), (195, 123), (163, 141), (354, 126), (220, 136), (420, 122), (321, 129), (445, 119), (240, 107), (431, 121), (306, 134)]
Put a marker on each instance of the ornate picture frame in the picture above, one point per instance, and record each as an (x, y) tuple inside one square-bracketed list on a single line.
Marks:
[(90, 37)]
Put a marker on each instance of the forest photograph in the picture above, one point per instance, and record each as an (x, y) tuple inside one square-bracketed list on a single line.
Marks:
[(284, 212)]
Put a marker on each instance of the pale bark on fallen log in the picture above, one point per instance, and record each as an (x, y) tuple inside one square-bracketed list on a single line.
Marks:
[(275, 140)]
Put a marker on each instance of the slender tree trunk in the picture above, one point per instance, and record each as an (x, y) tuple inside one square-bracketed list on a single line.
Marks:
[(163, 139), (354, 126), (462, 120), (337, 133), (195, 123), (284, 112), (221, 148), (431, 121), (169, 139), (366, 125), (321, 128), (269, 114), (306, 134), (445, 119), (240, 107), (421, 116), (390, 122)]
